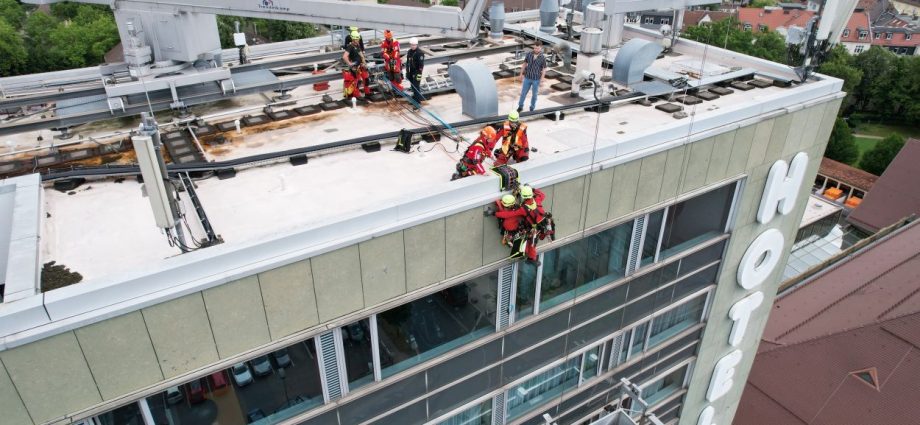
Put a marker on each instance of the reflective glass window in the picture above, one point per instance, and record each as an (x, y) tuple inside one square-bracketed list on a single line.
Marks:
[(263, 390), (359, 362), (479, 414), (560, 274), (652, 232), (662, 387), (695, 220), (526, 289), (589, 365), (124, 415), (676, 320), (542, 388), (638, 339), (435, 324)]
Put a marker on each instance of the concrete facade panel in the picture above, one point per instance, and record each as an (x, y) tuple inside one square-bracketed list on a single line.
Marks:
[(651, 176), (762, 132), (827, 121), (289, 299), (383, 268), (625, 187), (464, 241), (237, 316), (181, 334), (14, 412), (741, 150), (548, 201), (812, 127), (673, 169), (52, 377), (797, 128), (425, 254), (492, 249), (599, 188), (567, 206), (337, 280), (721, 154), (697, 165), (120, 354), (778, 137)]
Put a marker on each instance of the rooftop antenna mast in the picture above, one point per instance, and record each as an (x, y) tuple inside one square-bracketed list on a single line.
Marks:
[(160, 191), (821, 33)]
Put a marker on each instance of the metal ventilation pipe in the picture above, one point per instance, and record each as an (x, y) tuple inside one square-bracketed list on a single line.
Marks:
[(549, 11), (594, 15), (496, 20), (614, 29)]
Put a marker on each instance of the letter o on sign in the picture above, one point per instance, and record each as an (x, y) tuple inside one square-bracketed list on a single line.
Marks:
[(760, 259)]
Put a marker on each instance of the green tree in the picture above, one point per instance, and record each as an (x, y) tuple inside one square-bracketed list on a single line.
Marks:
[(762, 3), (450, 3), (286, 30), (84, 40), (839, 63), (876, 65), (12, 12), (728, 34), (842, 146), (38, 29), (13, 55), (876, 160)]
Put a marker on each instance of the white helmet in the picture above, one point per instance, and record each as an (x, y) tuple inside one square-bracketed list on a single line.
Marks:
[(413, 41)]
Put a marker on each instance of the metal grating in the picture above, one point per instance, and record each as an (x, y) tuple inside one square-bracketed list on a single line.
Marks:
[(498, 409), (330, 365), (635, 248), (505, 285), (615, 351)]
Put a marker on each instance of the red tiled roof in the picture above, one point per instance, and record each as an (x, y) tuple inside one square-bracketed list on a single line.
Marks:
[(898, 39), (850, 175), (773, 19), (862, 313), (693, 17), (858, 21), (895, 195)]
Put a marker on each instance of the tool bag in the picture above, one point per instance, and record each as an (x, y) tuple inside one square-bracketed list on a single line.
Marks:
[(508, 177), (404, 141)]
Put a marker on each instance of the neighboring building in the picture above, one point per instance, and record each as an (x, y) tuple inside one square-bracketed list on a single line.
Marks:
[(703, 17), (898, 33), (850, 183), (365, 287), (895, 195), (857, 35), (906, 7), (843, 345), (773, 19)]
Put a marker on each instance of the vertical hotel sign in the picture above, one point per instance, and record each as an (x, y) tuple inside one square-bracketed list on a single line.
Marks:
[(757, 264)]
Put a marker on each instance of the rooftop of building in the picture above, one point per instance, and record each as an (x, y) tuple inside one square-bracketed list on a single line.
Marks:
[(859, 21), (774, 18), (894, 195), (274, 213), (843, 346), (845, 173)]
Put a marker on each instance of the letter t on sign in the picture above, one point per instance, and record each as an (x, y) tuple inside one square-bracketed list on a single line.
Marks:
[(782, 187)]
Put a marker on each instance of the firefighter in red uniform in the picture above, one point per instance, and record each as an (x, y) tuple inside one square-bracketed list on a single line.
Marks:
[(511, 215), (537, 224), (355, 74), (471, 162), (392, 62), (514, 141)]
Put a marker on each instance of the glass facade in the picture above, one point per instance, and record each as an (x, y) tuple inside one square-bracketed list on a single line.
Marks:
[(626, 321), (663, 387)]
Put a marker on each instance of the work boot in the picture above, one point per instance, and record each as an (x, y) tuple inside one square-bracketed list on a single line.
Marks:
[(455, 176)]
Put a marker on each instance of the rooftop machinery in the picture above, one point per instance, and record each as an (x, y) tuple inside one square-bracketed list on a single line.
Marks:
[(171, 43)]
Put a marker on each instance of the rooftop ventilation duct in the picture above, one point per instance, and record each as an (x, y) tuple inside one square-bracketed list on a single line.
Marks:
[(549, 11), (476, 87), (594, 15), (496, 20), (633, 59), (591, 41)]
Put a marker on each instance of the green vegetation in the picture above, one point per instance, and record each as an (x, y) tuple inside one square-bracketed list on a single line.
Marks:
[(268, 30), (728, 33), (841, 146), (762, 3), (450, 3), (884, 129), (863, 145), (876, 160)]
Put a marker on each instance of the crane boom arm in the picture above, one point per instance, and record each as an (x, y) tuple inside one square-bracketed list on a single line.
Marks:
[(447, 21)]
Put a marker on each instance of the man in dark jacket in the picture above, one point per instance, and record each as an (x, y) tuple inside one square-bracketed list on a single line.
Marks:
[(415, 62)]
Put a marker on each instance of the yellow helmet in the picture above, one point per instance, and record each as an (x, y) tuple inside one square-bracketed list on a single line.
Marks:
[(355, 35), (508, 201), (513, 116), (526, 192), (352, 29)]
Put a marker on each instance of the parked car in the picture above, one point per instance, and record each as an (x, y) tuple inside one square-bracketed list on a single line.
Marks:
[(241, 374), (261, 366), (254, 415), (174, 395), (282, 358), (218, 380), (195, 391)]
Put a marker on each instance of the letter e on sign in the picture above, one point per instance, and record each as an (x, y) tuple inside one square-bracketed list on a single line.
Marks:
[(760, 258), (782, 187), (721, 380)]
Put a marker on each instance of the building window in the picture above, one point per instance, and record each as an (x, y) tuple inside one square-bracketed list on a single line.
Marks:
[(747, 27), (878, 35), (846, 32), (858, 49), (288, 378), (359, 361), (863, 35), (433, 325), (695, 220), (652, 236), (675, 320), (762, 28), (125, 415), (479, 414), (907, 36), (665, 21), (888, 36), (664, 386), (648, 19), (542, 387)]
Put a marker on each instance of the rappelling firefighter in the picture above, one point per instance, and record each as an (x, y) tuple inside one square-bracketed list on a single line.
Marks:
[(471, 162), (538, 224), (392, 62), (514, 141), (510, 216), (355, 73)]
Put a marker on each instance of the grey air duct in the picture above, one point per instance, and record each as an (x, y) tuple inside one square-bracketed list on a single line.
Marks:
[(549, 11), (496, 20)]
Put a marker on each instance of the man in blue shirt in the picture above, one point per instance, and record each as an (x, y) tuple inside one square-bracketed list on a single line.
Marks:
[(533, 68)]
